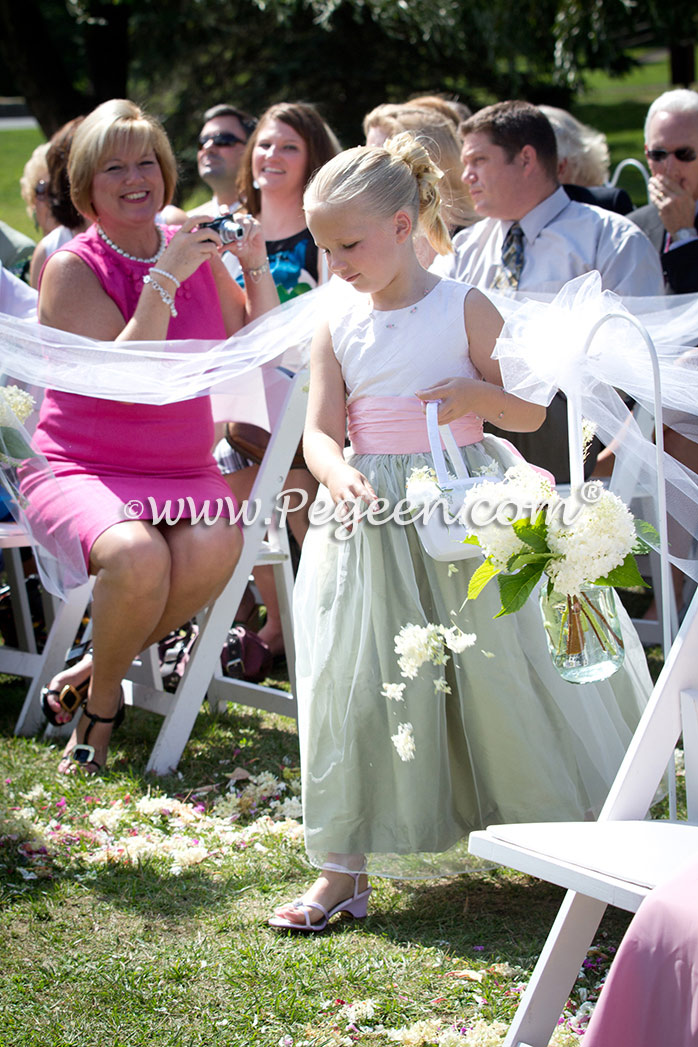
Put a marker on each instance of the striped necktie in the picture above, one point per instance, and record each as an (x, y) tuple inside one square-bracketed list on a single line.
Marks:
[(508, 273)]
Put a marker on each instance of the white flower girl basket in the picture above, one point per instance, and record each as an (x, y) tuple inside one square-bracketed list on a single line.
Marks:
[(437, 503)]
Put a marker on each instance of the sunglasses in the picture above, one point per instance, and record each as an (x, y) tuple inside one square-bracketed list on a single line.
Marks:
[(41, 188), (221, 138), (685, 155)]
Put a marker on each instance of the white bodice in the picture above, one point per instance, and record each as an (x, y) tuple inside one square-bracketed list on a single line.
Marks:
[(395, 352)]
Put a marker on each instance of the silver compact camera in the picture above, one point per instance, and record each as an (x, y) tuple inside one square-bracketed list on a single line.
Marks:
[(227, 228)]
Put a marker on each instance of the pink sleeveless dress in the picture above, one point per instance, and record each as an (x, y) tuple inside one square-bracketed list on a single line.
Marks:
[(119, 461)]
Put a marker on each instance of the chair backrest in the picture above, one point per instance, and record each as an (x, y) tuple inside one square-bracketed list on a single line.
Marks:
[(181, 708)]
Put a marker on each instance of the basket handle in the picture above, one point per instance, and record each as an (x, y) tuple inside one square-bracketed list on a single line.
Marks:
[(437, 433)]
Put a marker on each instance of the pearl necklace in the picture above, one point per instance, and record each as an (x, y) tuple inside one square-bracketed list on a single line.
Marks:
[(133, 257)]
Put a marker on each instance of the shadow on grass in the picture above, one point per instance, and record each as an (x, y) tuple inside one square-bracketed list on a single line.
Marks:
[(238, 736), (490, 917)]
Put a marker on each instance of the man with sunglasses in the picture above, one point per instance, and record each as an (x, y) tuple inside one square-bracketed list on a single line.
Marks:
[(669, 220), (221, 146)]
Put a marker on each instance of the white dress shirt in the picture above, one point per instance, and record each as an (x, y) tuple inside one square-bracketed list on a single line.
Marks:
[(562, 239)]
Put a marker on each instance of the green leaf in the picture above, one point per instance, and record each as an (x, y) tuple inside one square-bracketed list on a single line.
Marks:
[(647, 537), (625, 576), (471, 540), (519, 560), (13, 444), (533, 534), (484, 574), (515, 589)]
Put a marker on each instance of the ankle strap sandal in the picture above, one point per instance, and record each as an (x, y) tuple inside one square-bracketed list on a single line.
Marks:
[(83, 753)]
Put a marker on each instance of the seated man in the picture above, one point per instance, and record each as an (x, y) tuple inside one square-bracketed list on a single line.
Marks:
[(534, 238), (670, 220), (222, 144)]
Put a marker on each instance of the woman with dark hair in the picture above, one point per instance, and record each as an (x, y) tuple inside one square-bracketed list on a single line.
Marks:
[(69, 221), (290, 142)]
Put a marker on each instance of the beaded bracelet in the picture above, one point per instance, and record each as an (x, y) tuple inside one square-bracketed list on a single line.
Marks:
[(166, 297), (257, 272), (163, 272)]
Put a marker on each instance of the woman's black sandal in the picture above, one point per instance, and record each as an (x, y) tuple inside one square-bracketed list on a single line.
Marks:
[(83, 753), (69, 698)]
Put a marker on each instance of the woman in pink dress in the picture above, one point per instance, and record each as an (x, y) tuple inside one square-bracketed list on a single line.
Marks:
[(128, 279), (650, 998)]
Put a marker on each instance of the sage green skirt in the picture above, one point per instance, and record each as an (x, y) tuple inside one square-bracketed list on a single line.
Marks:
[(511, 742)]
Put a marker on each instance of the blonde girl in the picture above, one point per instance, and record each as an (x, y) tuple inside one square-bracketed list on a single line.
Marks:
[(489, 736)]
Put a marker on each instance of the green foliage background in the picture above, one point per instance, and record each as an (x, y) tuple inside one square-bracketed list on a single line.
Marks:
[(181, 56)]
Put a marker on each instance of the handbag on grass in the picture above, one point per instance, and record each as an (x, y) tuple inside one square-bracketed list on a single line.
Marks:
[(438, 503)]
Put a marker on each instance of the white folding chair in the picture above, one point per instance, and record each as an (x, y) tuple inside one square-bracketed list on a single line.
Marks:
[(621, 857), (616, 860), (22, 660), (202, 675), (63, 620)]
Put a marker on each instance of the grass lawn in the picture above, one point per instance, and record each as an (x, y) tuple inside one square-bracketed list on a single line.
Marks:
[(133, 908), (16, 146), (618, 107), (133, 911)]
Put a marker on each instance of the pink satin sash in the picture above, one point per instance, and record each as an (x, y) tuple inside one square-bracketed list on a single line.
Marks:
[(396, 425)]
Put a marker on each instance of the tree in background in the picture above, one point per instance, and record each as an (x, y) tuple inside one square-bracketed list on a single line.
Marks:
[(178, 57)]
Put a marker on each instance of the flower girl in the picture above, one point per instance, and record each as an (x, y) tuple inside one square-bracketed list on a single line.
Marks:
[(495, 734)]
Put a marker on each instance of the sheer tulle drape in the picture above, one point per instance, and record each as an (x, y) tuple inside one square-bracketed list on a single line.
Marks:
[(539, 350)]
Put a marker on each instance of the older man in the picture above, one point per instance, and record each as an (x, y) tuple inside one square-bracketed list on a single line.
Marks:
[(670, 220), (534, 238)]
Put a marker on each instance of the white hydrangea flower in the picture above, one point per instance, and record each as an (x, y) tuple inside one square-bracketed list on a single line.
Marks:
[(598, 539), (108, 818), (290, 807), (228, 806), (154, 805), (450, 1038), (394, 691), (422, 1032), (491, 469), (441, 687), (456, 640), (262, 786), (417, 644), (188, 854), (485, 1034), (404, 742), (489, 509), (15, 404), (422, 487)]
